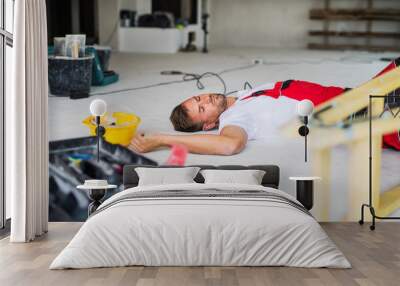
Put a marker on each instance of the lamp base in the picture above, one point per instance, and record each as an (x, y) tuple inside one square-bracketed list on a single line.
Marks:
[(96, 195)]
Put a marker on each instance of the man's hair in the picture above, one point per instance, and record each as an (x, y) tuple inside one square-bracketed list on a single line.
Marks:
[(182, 122)]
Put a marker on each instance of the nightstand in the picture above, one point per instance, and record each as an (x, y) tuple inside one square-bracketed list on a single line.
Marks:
[(305, 190)]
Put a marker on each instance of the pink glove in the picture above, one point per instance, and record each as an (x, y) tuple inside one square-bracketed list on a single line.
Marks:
[(178, 155)]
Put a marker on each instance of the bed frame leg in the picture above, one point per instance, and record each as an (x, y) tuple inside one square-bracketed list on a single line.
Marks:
[(361, 221)]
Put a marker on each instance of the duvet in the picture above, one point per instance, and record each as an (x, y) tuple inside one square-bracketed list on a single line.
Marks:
[(201, 224)]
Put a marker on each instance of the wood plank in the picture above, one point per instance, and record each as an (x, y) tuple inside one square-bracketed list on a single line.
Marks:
[(321, 138), (327, 6), (369, 23), (358, 177), (332, 47), (356, 18), (356, 11), (355, 14), (321, 167), (357, 98), (353, 34), (375, 258)]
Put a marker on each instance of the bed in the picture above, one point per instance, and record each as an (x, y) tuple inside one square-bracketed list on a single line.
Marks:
[(198, 224)]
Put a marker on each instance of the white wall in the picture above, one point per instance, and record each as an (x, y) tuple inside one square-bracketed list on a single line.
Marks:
[(259, 23), (283, 23), (108, 18)]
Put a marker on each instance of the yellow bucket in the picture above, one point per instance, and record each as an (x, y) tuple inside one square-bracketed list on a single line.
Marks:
[(119, 130)]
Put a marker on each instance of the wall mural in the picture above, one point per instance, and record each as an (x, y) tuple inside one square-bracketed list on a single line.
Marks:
[(110, 108)]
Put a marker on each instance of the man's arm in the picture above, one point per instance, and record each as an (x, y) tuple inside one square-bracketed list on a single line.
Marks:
[(231, 140)]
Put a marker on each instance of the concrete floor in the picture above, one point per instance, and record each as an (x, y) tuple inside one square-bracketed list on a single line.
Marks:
[(153, 105)]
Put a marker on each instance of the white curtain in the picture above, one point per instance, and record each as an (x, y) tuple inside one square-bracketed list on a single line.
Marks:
[(27, 123)]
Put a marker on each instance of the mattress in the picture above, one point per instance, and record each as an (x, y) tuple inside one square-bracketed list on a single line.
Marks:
[(201, 225)]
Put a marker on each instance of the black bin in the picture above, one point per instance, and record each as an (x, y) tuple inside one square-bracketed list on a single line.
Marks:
[(70, 76)]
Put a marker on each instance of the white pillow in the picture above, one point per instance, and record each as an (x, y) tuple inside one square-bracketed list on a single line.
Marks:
[(165, 176), (248, 177)]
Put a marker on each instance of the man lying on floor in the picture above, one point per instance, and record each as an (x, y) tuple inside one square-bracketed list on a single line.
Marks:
[(251, 115)]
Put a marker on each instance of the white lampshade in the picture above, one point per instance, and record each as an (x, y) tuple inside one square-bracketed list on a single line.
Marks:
[(98, 107), (305, 107)]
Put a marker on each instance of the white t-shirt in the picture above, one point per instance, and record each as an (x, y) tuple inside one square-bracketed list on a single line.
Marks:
[(259, 116)]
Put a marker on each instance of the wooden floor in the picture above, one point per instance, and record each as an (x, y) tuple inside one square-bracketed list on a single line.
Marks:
[(375, 257)]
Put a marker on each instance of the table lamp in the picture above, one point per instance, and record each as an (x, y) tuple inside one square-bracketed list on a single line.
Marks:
[(98, 108), (305, 109)]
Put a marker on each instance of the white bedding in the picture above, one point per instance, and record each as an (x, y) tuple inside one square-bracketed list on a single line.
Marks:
[(191, 231)]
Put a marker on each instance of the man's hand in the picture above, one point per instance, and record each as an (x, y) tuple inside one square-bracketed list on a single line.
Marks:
[(144, 143)]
